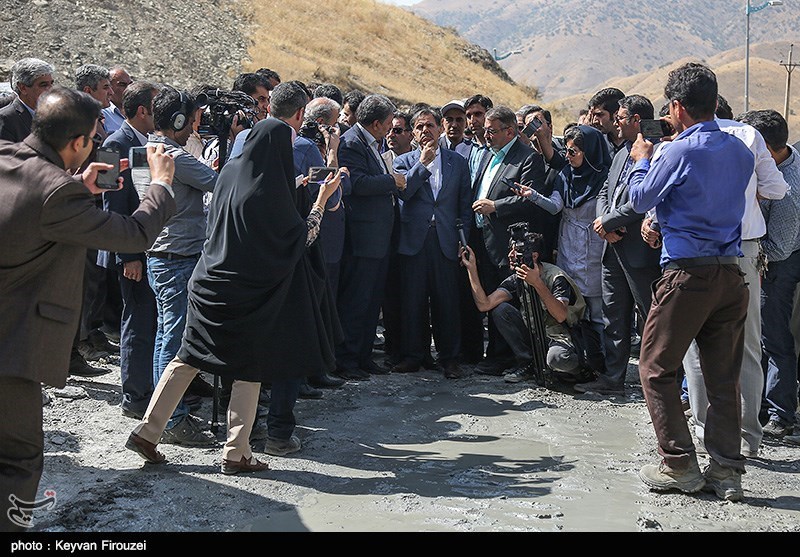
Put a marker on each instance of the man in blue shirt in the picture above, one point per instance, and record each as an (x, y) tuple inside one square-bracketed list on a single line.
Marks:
[(697, 186)]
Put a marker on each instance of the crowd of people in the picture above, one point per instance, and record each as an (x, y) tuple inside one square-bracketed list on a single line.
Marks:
[(230, 251)]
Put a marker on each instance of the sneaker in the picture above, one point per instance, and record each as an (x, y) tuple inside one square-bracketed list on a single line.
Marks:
[(188, 434), (793, 439), (599, 386), (282, 447), (775, 428), (664, 478), (519, 374), (725, 482)]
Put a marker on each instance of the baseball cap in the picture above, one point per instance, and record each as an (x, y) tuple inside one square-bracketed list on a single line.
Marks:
[(453, 104)]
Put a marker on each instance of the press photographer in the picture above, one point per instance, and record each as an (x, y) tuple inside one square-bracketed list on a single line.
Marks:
[(225, 115), (559, 299)]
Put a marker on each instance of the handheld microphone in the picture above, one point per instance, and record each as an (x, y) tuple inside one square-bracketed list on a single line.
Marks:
[(462, 237)]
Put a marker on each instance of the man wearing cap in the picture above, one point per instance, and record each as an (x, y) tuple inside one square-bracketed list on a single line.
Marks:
[(454, 122)]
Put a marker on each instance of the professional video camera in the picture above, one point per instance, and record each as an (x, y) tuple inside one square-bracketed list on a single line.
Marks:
[(313, 131), (220, 108), (523, 243)]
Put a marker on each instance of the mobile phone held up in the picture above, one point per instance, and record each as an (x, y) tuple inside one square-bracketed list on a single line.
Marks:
[(107, 179), (140, 170), (320, 173), (655, 129), (532, 126)]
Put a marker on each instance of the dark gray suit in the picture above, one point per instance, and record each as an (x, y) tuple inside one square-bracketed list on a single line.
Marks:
[(15, 122), (629, 267)]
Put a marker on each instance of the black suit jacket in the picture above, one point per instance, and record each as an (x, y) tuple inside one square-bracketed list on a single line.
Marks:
[(523, 165), (124, 201), (370, 206), (614, 208), (15, 122)]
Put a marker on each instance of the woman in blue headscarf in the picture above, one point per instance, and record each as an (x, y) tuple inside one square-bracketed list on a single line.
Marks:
[(580, 250)]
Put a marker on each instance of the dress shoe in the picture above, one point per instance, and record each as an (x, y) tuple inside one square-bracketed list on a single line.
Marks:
[(392, 360), (131, 411), (493, 366), (372, 368), (90, 353), (353, 374), (200, 387), (246, 465), (429, 363), (144, 449), (78, 367), (99, 340), (452, 371), (308, 392), (406, 366), (325, 381)]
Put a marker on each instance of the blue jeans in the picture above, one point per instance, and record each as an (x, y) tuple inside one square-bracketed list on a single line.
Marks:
[(779, 359), (169, 279)]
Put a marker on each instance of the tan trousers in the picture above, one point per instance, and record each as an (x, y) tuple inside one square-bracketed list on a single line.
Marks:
[(170, 390)]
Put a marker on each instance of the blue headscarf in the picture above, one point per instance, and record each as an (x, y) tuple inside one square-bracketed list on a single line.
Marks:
[(579, 185)]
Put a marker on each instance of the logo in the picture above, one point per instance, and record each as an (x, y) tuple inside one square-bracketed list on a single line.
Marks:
[(21, 512)]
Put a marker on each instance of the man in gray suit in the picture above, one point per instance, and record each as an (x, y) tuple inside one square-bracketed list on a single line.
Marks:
[(30, 77), (629, 265), (48, 219)]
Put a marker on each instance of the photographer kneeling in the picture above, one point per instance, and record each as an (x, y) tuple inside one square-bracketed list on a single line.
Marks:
[(561, 300)]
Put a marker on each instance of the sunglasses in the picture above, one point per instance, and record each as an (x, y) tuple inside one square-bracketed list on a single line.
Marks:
[(398, 131)]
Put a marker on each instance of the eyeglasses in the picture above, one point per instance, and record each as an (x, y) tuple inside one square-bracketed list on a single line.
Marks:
[(490, 131), (398, 131), (572, 151), (619, 118), (123, 83)]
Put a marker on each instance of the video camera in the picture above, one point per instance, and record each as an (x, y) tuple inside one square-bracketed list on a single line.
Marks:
[(220, 108), (313, 131), (524, 243)]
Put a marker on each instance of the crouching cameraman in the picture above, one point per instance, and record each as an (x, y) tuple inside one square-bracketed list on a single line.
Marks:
[(561, 301)]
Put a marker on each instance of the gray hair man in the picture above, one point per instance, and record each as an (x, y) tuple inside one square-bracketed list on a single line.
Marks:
[(30, 77)]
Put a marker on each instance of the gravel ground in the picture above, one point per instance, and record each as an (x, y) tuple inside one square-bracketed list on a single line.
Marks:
[(402, 453)]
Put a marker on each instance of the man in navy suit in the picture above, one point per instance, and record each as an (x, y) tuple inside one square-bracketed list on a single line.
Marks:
[(496, 206), (30, 77), (369, 217), (138, 323), (630, 266), (436, 197)]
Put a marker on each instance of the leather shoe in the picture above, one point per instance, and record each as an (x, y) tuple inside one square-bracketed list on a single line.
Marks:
[(452, 371), (144, 449), (80, 368), (246, 465), (493, 366), (429, 363), (372, 368), (406, 366), (307, 391), (325, 381), (353, 374)]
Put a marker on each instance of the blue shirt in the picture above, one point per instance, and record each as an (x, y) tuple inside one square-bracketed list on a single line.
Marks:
[(697, 186), (783, 215), (113, 119)]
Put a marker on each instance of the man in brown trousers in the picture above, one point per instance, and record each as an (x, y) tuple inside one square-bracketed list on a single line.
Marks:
[(48, 219)]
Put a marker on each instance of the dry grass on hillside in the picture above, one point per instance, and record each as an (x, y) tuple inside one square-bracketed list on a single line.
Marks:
[(373, 47)]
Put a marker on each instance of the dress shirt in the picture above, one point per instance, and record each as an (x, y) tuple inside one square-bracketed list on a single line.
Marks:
[(488, 176), (766, 179), (475, 156), (701, 177), (113, 118), (374, 146), (783, 215), (435, 168), (32, 111)]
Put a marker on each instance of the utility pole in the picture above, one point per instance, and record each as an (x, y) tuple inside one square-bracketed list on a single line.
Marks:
[(789, 67)]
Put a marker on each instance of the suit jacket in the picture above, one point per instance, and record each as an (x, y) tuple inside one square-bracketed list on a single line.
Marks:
[(331, 232), (464, 148), (15, 121), (614, 208), (521, 164), (454, 201), (124, 201), (47, 221), (369, 208)]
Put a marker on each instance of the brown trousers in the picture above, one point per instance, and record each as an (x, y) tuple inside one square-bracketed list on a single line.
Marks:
[(707, 303)]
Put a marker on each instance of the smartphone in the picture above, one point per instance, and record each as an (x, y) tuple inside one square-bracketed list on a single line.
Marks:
[(532, 126), (319, 173), (655, 129), (511, 185), (107, 179), (140, 170)]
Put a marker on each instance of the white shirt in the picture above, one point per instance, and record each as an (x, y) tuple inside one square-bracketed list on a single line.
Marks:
[(767, 181)]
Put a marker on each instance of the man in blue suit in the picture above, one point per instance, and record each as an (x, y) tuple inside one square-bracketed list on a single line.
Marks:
[(369, 217), (138, 326), (438, 194)]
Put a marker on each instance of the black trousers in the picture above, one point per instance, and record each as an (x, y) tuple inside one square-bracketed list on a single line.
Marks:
[(137, 341), (21, 450)]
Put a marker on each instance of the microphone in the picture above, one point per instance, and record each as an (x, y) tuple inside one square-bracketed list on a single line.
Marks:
[(462, 237)]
